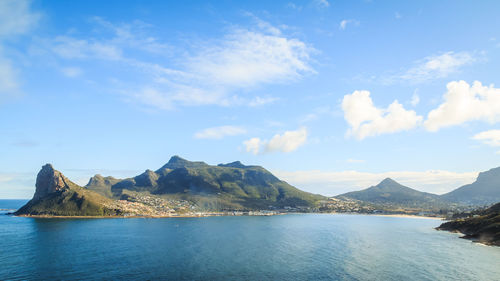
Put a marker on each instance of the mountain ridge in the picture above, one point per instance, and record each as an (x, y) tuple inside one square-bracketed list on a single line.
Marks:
[(178, 186), (484, 190), (248, 186)]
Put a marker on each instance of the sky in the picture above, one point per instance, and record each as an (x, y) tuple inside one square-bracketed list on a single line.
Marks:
[(331, 96)]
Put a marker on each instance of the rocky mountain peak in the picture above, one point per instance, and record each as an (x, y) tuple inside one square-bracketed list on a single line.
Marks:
[(388, 181), (148, 178), (48, 181), (176, 162), (492, 175), (235, 164)]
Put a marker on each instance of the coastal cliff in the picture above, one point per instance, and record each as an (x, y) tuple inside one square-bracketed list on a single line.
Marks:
[(482, 227), (56, 195)]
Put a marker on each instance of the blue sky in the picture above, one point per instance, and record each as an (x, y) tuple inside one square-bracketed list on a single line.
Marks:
[(331, 96)]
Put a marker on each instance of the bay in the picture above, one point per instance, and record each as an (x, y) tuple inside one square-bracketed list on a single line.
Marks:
[(285, 247)]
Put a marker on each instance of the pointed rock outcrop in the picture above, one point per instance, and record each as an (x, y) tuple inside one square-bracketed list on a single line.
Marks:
[(56, 195), (176, 162), (49, 181)]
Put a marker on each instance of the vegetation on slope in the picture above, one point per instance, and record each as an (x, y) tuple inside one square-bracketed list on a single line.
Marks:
[(69, 202), (483, 226), (223, 187)]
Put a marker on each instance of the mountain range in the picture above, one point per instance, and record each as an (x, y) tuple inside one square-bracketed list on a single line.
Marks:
[(180, 182), (389, 191), (182, 186), (484, 191)]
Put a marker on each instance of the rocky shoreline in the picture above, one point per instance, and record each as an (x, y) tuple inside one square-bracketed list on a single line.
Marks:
[(482, 227)]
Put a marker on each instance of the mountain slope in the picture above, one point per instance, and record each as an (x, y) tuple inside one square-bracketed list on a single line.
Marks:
[(55, 195), (389, 191), (233, 185), (484, 227), (484, 191)]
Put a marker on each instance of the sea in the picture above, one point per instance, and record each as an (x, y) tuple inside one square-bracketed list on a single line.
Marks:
[(282, 247)]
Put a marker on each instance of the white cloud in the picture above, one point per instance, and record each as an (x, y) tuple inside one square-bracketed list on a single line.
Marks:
[(463, 103), (287, 142), (247, 58), (8, 77), (333, 183), (322, 3), (355, 161), (293, 6), (219, 132), (367, 120), (258, 101), (253, 145), (343, 24), (17, 185), (397, 15), (71, 71), (72, 48), (415, 99), (16, 17), (434, 67), (217, 72), (491, 138)]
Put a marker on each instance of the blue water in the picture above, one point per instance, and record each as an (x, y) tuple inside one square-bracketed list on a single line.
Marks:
[(289, 247)]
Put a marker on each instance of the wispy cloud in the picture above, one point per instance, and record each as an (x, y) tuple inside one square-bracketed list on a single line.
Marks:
[(287, 142), (365, 119), (464, 103), (220, 132), (16, 18), (343, 24), (293, 6), (434, 67), (490, 137), (71, 72), (321, 3), (335, 183), (355, 161), (415, 99), (217, 72), (24, 143)]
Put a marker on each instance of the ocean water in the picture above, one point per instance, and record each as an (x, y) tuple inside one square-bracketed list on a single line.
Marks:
[(287, 247)]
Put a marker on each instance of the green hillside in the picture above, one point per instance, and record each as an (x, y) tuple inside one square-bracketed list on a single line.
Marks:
[(232, 186), (483, 226)]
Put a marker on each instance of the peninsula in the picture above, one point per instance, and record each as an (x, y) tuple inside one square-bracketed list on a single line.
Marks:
[(179, 188)]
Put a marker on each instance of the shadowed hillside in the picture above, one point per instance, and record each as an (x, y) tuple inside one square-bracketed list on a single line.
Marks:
[(483, 226), (391, 192), (484, 191)]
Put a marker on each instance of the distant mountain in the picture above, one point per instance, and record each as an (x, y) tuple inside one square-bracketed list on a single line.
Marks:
[(484, 191), (56, 195), (483, 226), (389, 191), (234, 185)]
